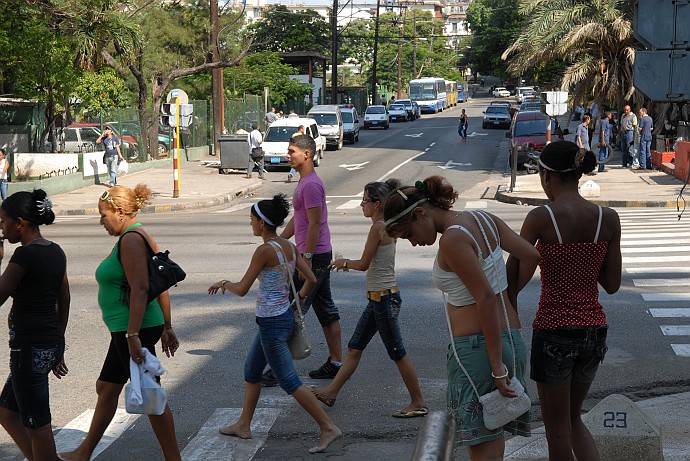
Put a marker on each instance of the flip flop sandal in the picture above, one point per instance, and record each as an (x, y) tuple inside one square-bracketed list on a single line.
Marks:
[(417, 412)]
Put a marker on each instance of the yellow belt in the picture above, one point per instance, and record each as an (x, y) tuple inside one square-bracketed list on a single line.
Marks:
[(377, 295)]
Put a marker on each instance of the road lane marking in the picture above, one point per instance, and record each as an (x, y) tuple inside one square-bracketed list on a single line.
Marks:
[(238, 207), (658, 270), (655, 259), (390, 172), (655, 235), (349, 205), (210, 445), (72, 434), (642, 283), (656, 249), (671, 312), (681, 350), (661, 244), (675, 330), (475, 205), (660, 297)]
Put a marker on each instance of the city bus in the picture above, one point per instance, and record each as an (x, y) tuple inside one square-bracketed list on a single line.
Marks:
[(461, 92), (451, 94), (429, 93)]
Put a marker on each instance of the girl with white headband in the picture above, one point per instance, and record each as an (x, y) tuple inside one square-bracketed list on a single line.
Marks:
[(273, 263)]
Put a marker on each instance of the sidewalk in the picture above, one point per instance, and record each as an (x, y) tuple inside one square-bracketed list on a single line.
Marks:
[(200, 186), (619, 187)]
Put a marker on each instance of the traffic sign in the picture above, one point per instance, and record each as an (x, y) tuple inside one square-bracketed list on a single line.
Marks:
[(663, 24), (179, 94), (662, 75), (554, 103)]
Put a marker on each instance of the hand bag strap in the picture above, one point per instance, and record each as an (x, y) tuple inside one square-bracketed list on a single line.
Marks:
[(505, 311), (146, 241), (279, 250)]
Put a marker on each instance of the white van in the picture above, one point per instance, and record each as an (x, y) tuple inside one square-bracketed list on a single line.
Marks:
[(350, 122), (278, 135), (330, 122)]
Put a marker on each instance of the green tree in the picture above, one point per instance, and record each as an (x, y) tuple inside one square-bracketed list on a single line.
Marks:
[(593, 39), (284, 31), (101, 92)]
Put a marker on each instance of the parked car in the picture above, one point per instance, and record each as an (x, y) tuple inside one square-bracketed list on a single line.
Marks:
[(350, 122), (522, 92), (376, 116), (82, 138), (330, 122), (397, 113), (507, 104), (500, 92), (531, 105), (278, 135), (530, 128), (496, 116), (412, 108)]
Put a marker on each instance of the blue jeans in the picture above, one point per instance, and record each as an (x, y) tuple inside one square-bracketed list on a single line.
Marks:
[(270, 346), (626, 140), (111, 163), (646, 154), (3, 188), (462, 131), (603, 155), (381, 316)]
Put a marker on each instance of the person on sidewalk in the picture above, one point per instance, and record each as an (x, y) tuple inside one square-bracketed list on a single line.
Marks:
[(628, 129), (579, 244), (604, 139), (645, 128), (133, 325), (270, 117), (36, 279), (462, 126), (381, 313), (300, 130), (309, 225), (582, 133), (273, 263), (470, 271), (4, 166), (113, 155), (256, 153)]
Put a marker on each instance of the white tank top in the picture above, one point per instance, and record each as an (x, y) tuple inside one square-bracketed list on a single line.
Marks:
[(3, 162)]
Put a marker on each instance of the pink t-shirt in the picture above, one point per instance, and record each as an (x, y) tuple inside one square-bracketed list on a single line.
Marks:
[(310, 193)]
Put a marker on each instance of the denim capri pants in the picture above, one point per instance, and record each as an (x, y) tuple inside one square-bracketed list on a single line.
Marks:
[(461, 399), (270, 346), (381, 316)]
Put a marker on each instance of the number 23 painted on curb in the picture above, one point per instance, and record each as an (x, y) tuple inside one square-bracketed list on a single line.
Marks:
[(618, 419)]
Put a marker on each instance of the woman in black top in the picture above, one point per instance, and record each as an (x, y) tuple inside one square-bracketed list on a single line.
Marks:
[(36, 278)]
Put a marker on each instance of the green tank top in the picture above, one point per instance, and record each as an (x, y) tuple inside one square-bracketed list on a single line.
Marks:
[(115, 312)]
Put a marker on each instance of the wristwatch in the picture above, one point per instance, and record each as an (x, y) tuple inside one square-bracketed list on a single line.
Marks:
[(308, 256)]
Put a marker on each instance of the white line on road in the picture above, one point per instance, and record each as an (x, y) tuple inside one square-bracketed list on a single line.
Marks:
[(74, 432), (390, 172), (654, 235), (231, 209), (660, 297), (675, 330), (661, 282), (657, 243), (658, 270), (349, 205), (681, 350), (655, 226), (210, 445), (476, 204), (671, 312), (654, 259), (656, 249)]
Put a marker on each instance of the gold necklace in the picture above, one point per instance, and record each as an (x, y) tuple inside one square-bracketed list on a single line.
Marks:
[(450, 219)]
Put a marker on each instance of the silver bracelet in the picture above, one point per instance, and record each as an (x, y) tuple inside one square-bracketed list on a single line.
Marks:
[(502, 376)]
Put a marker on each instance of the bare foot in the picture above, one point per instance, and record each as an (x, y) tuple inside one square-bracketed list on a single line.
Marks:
[(322, 395), (72, 456), (325, 439), (236, 431), (414, 406)]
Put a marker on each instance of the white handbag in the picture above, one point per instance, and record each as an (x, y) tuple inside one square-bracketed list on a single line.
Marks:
[(497, 410)]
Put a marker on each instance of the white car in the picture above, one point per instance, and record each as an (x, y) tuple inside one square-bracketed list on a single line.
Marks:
[(397, 112), (376, 116), (500, 92), (278, 135), (523, 92)]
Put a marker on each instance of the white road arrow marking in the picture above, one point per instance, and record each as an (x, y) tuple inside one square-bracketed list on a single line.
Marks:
[(416, 135), (452, 164), (354, 166), (474, 133)]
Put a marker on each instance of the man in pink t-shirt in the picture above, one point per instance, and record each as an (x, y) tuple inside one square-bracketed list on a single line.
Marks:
[(309, 225)]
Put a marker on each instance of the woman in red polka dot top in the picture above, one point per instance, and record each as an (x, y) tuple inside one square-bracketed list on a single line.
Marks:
[(579, 243)]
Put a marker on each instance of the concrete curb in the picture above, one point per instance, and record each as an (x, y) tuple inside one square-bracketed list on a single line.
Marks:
[(507, 197), (211, 202)]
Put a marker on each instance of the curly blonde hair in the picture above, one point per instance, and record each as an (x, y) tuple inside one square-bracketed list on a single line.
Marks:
[(129, 200)]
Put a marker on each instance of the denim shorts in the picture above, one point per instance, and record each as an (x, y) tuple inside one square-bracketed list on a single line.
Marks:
[(116, 365), (562, 354), (381, 316), (270, 346), (26, 390), (322, 300)]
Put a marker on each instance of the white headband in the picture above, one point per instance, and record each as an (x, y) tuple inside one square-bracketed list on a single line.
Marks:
[(261, 215), (405, 211)]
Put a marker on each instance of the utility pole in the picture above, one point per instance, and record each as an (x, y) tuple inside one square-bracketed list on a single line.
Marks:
[(334, 53), (216, 80), (400, 38), (376, 49), (414, 43)]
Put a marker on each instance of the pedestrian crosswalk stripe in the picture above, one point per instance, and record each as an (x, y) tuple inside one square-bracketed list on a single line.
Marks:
[(656, 249), (653, 235), (681, 350), (210, 445), (349, 205), (238, 207), (659, 297), (642, 283), (675, 330), (72, 434), (655, 259), (625, 222), (475, 205), (661, 244), (657, 270), (670, 312), (655, 226)]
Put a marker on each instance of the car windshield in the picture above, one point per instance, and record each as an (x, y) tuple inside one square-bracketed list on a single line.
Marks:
[(325, 119), (397, 107), (497, 110), (405, 102), (279, 133), (347, 117), (376, 110), (530, 128)]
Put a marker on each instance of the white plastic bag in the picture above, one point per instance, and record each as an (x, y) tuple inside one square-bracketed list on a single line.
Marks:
[(122, 167), (151, 400)]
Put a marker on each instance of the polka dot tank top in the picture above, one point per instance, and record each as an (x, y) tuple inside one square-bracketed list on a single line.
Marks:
[(569, 280)]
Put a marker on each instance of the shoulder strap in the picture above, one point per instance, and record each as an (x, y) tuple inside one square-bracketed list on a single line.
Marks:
[(555, 226), (492, 226), (596, 236), (458, 226), (146, 241), (286, 267)]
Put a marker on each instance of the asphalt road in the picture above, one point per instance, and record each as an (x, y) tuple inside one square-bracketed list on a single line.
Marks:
[(205, 377)]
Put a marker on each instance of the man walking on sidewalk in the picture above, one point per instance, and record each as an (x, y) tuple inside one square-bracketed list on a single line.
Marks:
[(628, 128), (645, 140), (582, 133), (256, 153), (604, 138), (309, 225)]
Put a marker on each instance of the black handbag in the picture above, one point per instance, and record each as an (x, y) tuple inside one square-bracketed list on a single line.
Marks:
[(163, 272), (104, 156), (257, 153)]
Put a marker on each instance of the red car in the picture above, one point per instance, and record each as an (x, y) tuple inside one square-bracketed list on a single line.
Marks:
[(530, 128)]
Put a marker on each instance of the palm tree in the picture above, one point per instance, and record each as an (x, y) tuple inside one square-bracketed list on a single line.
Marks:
[(594, 38)]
